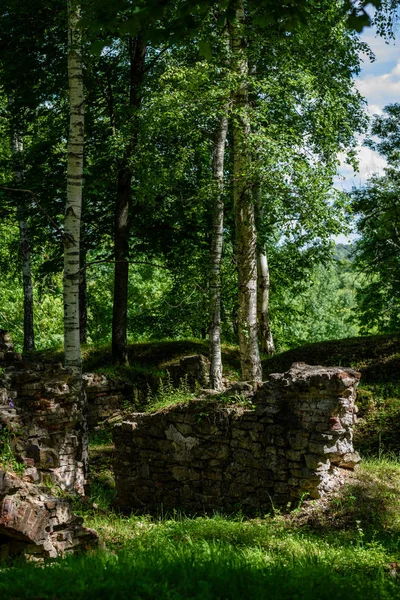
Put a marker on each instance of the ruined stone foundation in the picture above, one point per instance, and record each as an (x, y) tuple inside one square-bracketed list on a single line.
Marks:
[(36, 525), (290, 439)]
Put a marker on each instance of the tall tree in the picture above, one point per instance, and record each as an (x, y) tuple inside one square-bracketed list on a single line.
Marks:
[(29, 333), (217, 233), (137, 55), (377, 207), (73, 209), (245, 230), (263, 281)]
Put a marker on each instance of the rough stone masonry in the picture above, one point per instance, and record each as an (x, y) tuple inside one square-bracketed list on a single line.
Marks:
[(35, 525), (42, 422), (206, 455)]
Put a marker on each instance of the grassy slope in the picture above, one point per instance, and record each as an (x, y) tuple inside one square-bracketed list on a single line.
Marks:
[(376, 357), (344, 547), (347, 548)]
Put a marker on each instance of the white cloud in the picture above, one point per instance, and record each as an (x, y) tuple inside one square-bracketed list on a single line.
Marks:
[(380, 90), (384, 52), (370, 163)]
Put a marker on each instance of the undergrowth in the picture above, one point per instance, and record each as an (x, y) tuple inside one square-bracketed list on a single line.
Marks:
[(219, 557), (7, 456), (347, 547), (377, 431), (168, 395)]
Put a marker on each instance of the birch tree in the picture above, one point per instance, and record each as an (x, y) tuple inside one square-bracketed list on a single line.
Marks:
[(245, 230), (73, 209), (263, 282), (217, 233)]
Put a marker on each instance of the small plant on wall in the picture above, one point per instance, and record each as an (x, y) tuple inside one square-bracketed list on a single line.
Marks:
[(7, 457)]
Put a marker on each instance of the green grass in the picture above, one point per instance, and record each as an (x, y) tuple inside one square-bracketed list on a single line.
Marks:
[(215, 558), (168, 395), (378, 431), (347, 547), (377, 357), (8, 460)]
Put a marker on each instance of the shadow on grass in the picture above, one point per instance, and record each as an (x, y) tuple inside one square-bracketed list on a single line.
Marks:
[(207, 571)]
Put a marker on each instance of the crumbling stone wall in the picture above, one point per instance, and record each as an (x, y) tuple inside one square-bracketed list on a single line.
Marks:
[(43, 408), (192, 370), (36, 525), (203, 455), (42, 413), (105, 399), (7, 354)]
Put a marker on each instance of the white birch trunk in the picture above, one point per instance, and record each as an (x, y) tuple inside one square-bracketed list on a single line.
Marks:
[(216, 255), (246, 237), (263, 282), (266, 339), (73, 209)]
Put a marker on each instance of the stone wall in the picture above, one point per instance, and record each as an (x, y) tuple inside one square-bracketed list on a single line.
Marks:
[(35, 525), (43, 409), (7, 354), (42, 416), (290, 438), (105, 399)]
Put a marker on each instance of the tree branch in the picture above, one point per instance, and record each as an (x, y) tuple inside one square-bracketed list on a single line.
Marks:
[(36, 201)]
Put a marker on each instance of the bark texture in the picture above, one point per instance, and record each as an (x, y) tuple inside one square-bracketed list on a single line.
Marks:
[(245, 230), (73, 209), (266, 339), (137, 51), (29, 333), (263, 282), (216, 255)]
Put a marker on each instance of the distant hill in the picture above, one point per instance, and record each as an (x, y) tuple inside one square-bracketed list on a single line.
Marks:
[(344, 252)]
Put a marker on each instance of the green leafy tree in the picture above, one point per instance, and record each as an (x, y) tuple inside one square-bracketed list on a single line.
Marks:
[(377, 208)]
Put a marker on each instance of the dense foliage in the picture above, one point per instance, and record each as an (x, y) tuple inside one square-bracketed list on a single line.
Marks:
[(158, 126), (377, 208)]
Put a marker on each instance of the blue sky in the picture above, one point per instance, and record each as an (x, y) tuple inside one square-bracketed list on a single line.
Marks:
[(379, 83)]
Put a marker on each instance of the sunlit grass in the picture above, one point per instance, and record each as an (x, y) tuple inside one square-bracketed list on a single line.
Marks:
[(347, 548), (210, 558)]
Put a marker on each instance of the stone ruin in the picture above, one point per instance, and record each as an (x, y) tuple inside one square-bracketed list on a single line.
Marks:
[(194, 371), (43, 420), (244, 450), (43, 409), (290, 439), (7, 353), (36, 525)]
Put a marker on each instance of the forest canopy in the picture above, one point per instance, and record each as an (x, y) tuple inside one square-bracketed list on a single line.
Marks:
[(202, 145)]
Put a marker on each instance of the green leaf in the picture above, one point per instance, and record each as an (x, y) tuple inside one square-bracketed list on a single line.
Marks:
[(205, 49)]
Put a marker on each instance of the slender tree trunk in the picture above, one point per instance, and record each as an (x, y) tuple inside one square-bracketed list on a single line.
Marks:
[(73, 209), (263, 282), (266, 339), (137, 51), (121, 269), (29, 333), (246, 238), (216, 255), (82, 298)]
